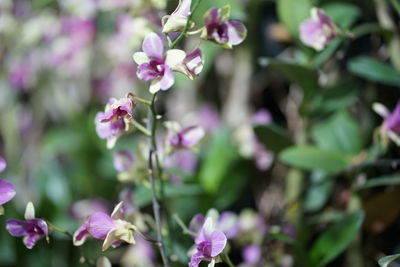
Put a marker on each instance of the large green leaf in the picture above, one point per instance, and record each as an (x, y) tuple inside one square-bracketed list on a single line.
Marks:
[(343, 14), (292, 13), (273, 137), (340, 133), (217, 161), (336, 239), (374, 70), (384, 262), (314, 158)]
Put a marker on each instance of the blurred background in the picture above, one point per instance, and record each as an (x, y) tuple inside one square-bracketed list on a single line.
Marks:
[(293, 147)]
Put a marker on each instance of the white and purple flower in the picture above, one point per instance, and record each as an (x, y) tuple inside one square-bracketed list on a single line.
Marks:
[(192, 65), (32, 229), (115, 120), (187, 137), (219, 29), (318, 31), (157, 66), (177, 21), (391, 124), (112, 229), (210, 243)]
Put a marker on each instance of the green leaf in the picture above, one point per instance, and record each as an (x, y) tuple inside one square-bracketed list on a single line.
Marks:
[(293, 13), (217, 161), (340, 133), (380, 181), (273, 137), (384, 262), (327, 53), (374, 70), (318, 192), (313, 158), (336, 239), (343, 14)]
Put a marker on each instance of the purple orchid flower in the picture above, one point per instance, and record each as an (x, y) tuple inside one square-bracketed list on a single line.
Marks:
[(157, 66), (391, 123), (115, 120), (318, 31), (251, 254), (7, 190), (222, 31), (112, 229), (177, 21), (187, 137), (123, 160), (192, 65), (32, 229), (209, 244)]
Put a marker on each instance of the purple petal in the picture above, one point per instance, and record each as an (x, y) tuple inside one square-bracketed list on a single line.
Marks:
[(123, 160), (392, 122), (190, 136), (147, 72), (236, 32), (16, 227), (3, 164), (196, 259), (81, 234), (31, 239), (103, 129), (251, 254), (262, 116), (194, 62), (7, 191), (212, 17), (218, 242), (153, 46), (310, 31), (196, 223), (100, 224), (228, 223), (168, 79), (183, 8)]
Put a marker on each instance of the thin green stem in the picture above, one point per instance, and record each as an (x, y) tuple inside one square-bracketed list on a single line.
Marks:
[(227, 260), (187, 26), (143, 101), (58, 229), (141, 128), (185, 230), (151, 127)]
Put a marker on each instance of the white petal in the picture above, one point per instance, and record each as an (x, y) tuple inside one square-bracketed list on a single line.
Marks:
[(155, 86), (381, 110), (140, 58), (29, 211), (117, 212), (174, 57)]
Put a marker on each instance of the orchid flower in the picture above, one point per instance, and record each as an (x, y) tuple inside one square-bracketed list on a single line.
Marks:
[(112, 229), (184, 138), (32, 229), (219, 29), (192, 65), (318, 31), (115, 120), (157, 66), (7, 190), (177, 21), (391, 123)]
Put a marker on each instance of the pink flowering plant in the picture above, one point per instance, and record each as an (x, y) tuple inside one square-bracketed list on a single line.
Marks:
[(147, 133)]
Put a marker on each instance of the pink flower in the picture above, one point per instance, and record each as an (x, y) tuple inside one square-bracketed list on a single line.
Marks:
[(192, 65), (115, 120), (184, 138), (157, 66), (7, 190), (112, 229), (318, 31), (32, 229), (218, 29), (391, 124)]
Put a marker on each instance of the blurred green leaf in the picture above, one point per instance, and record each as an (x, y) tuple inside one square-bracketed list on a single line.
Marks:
[(374, 70), (217, 161), (343, 14), (313, 158), (384, 262), (293, 13), (336, 239), (318, 191), (273, 137), (380, 181), (325, 54), (340, 133)]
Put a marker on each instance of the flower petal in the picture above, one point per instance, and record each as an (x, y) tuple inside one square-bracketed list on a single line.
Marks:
[(81, 234), (100, 224), (174, 57), (29, 211), (7, 191), (237, 32), (153, 46), (192, 135), (196, 223), (168, 79), (155, 86), (109, 240), (218, 242), (16, 227), (140, 58), (3, 164), (196, 259), (117, 212), (146, 72)]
